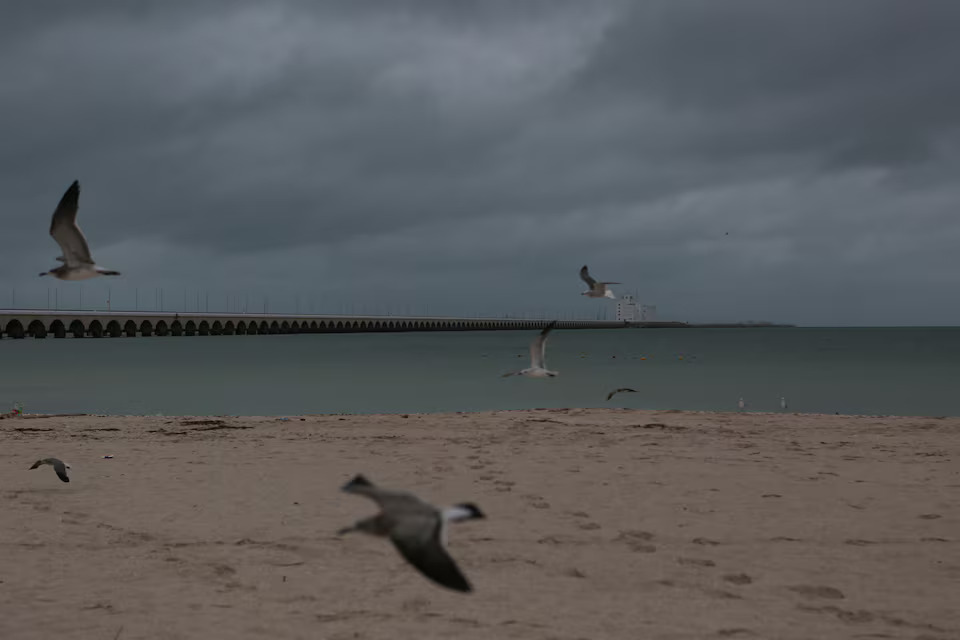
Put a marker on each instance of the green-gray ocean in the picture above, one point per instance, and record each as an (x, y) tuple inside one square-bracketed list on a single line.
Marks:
[(900, 371)]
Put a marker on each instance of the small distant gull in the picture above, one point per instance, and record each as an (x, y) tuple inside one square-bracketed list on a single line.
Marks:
[(620, 390), (58, 465), (77, 261), (783, 402), (416, 528), (597, 289), (537, 368), (741, 404)]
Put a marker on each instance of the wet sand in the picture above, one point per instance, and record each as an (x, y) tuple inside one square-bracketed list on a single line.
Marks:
[(601, 524)]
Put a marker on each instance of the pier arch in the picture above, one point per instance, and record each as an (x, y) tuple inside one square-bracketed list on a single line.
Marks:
[(77, 328), (146, 328), (162, 329), (130, 328), (14, 329), (37, 330), (191, 328), (216, 329), (228, 328), (57, 329), (176, 329), (113, 329), (204, 328)]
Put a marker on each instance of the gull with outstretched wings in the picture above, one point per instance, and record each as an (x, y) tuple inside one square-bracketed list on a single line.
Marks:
[(416, 528), (538, 367), (58, 465), (77, 262), (620, 390), (597, 289)]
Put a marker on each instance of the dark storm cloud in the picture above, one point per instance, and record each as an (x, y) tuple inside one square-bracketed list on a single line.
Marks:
[(468, 153), (856, 82)]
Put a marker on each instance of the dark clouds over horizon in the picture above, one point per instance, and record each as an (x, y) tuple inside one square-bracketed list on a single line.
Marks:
[(469, 157)]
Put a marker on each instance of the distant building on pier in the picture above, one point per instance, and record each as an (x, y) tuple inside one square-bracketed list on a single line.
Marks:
[(627, 310)]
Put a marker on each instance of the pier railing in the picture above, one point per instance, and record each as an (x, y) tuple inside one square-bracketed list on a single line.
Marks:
[(36, 323)]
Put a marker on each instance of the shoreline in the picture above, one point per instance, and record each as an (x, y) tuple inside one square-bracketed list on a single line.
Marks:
[(891, 416), (618, 523)]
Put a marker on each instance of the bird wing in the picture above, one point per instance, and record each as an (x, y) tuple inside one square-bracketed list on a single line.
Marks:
[(64, 229), (539, 346), (395, 502), (585, 276), (611, 283), (419, 541), (61, 470)]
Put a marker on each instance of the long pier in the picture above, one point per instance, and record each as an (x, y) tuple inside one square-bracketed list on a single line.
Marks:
[(37, 323)]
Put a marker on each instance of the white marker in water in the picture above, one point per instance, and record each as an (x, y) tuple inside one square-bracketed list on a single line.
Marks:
[(741, 404), (783, 402)]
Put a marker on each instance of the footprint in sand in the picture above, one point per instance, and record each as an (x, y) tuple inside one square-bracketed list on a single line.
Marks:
[(737, 578), (724, 595), (696, 562), (705, 541), (637, 541), (817, 591), (537, 502), (859, 543)]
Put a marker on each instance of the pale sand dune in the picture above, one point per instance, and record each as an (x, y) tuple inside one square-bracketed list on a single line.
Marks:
[(601, 524)]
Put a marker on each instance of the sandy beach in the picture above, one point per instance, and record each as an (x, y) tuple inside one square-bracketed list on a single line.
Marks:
[(601, 524)]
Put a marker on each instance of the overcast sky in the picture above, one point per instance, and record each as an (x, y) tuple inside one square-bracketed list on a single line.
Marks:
[(735, 160)]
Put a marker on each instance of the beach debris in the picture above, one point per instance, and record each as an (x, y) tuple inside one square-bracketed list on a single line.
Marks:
[(597, 289), (58, 465), (537, 368), (620, 390), (16, 412), (416, 528), (77, 262)]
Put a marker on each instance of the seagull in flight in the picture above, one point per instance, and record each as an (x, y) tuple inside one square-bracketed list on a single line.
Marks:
[(58, 465), (416, 528), (537, 368), (597, 289), (76, 259), (621, 389)]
